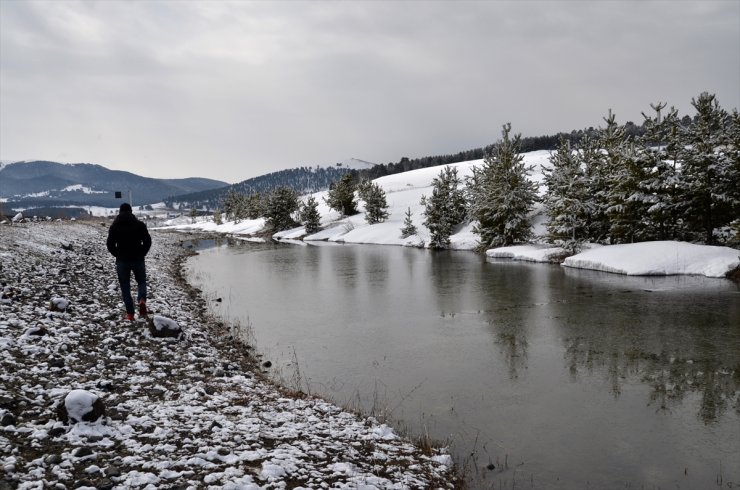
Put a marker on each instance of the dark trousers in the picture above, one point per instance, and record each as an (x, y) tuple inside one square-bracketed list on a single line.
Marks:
[(124, 269)]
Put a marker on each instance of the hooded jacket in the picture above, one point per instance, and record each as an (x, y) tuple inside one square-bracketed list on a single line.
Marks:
[(128, 238)]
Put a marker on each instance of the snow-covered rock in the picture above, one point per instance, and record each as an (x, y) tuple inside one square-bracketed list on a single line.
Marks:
[(58, 304), (81, 405), (161, 326)]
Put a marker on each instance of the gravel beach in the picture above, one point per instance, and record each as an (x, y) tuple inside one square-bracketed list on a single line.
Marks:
[(191, 411)]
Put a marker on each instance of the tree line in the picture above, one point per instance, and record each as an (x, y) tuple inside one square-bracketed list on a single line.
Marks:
[(675, 179), (670, 178)]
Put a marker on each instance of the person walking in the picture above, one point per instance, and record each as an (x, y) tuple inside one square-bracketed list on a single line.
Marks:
[(129, 242)]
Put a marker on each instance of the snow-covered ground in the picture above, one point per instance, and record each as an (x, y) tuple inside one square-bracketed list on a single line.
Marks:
[(193, 412), (404, 191)]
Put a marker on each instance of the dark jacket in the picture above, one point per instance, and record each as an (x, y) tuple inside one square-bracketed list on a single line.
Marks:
[(128, 238)]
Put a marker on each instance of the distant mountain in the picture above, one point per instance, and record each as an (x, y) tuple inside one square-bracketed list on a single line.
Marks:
[(302, 179), (47, 184)]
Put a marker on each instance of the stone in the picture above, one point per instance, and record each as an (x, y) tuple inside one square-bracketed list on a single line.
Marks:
[(79, 406), (81, 452), (53, 459), (162, 327), (56, 431), (8, 419)]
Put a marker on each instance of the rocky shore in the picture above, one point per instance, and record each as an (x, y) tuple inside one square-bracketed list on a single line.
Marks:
[(191, 411)]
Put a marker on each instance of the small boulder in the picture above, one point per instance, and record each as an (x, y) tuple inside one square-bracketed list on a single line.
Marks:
[(37, 331), (7, 419), (80, 405), (160, 326), (58, 304)]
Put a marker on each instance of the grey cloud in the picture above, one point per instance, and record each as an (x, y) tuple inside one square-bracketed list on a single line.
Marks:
[(161, 88)]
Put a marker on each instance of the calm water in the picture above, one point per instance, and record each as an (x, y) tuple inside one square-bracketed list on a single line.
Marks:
[(539, 376)]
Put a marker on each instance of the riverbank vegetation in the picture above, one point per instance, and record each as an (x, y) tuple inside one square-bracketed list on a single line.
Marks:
[(672, 178)]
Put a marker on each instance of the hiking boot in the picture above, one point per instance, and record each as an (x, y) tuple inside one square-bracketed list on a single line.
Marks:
[(142, 308), (129, 317)]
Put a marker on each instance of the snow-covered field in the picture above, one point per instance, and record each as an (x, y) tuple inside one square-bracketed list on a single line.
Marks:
[(404, 191), (193, 412)]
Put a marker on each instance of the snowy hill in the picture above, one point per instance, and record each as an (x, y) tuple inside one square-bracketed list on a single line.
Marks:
[(404, 191), (45, 184)]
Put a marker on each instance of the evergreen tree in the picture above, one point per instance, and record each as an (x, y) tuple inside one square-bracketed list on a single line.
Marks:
[(618, 201), (376, 206), (254, 206), (658, 189), (233, 204), (341, 196), (445, 209), (409, 228), (281, 205), (710, 183), (501, 195), (217, 218), (309, 215), (597, 188), (566, 200)]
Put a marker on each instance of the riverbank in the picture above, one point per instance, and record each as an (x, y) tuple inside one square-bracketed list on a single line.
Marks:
[(404, 192), (193, 412)]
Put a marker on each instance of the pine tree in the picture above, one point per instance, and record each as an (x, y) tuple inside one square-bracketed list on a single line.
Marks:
[(658, 189), (501, 195), (445, 209), (309, 215), (376, 206), (566, 200), (622, 174), (409, 228), (597, 187), (341, 196), (253, 206), (281, 205), (217, 218), (232, 205), (707, 169)]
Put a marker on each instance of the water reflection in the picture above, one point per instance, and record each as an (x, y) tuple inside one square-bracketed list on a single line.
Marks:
[(505, 359)]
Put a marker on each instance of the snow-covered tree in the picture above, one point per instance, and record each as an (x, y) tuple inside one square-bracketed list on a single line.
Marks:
[(445, 208), (710, 181), (566, 201), (501, 195), (309, 215), (254, 205), (341, 196), (217, 217), (658, 153), (235, 206), (409, 228), (376, 206), (618, 202), (281, 205)]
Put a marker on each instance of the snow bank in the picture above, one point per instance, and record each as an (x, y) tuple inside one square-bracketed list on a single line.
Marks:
[(530, 253), (661, 258), (404, 191)]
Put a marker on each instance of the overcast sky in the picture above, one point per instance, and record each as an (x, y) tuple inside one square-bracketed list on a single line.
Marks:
[(232, 90)]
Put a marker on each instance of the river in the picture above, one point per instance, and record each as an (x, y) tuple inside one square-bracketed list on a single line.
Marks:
[(538, 376)]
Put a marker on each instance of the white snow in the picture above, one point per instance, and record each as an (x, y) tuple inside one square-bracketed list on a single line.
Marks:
[(404, 191), (659, 258), (60, 304), (162, 323), (530, 253), (78, 403), (81, 188)]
